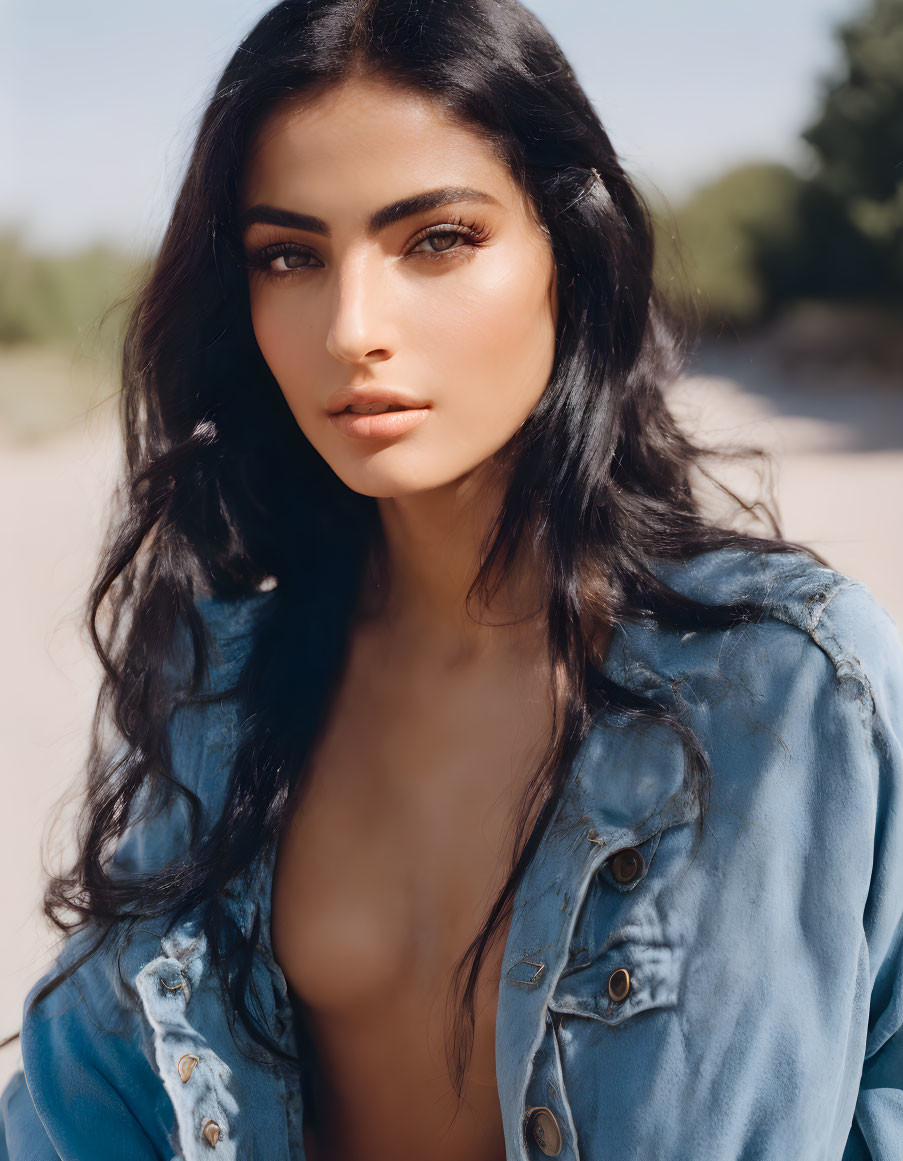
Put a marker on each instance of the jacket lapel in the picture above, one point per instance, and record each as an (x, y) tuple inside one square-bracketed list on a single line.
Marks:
[(625, 784)]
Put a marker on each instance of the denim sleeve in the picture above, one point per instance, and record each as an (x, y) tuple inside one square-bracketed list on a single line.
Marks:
[(877, 1130), (22, 1135), (90, 1085)]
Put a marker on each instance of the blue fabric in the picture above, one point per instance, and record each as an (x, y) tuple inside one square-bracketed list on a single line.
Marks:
[(764, 1014)]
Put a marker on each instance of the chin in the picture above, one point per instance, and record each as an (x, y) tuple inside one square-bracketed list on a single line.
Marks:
[(382, 483)]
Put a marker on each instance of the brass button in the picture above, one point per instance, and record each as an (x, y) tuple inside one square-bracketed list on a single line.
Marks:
[(546, 1132), (627, 865), (211, 1131), (186, 1066), (619, 984)]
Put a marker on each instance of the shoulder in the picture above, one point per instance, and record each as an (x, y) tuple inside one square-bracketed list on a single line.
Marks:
[(791, 588), (797, 713), (818, 631)]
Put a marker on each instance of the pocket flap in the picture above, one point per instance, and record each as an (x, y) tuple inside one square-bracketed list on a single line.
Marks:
[(591, 986)]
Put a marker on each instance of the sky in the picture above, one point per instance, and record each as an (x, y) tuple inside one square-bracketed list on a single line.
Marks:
[(99, 99)]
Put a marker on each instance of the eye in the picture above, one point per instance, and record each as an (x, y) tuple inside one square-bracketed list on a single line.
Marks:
[(442, 238), (279, 260), (285, 259)]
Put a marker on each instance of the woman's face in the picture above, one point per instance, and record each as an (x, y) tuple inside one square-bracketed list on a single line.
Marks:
[(453, 305)]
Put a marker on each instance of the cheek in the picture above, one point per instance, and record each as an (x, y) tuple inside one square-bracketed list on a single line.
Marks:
[(498, 343), (286, 335)]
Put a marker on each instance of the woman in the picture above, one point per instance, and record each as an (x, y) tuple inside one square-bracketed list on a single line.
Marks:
[(604, 863)]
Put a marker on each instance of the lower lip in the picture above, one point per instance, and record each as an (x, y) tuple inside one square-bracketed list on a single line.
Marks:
[(383, 425)]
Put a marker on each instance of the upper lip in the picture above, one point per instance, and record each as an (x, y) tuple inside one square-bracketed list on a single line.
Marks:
[(354, 396)]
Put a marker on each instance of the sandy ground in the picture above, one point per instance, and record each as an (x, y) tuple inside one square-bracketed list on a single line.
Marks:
[(839, 460)]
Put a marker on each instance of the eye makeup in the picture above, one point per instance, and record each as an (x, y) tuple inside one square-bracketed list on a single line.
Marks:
[(471, 234)]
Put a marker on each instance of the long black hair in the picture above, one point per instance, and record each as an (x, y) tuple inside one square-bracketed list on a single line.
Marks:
[(222, 490)]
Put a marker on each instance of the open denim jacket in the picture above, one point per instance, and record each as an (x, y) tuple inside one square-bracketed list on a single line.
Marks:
[(743, 1001)]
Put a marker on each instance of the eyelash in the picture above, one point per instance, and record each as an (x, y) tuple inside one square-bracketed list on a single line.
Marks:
[(262, 259)]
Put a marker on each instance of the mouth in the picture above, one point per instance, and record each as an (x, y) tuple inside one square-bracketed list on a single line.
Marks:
[(377, 420), (373, 400), (372, 408)]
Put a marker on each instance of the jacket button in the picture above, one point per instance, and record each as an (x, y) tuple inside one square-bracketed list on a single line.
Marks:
[(186, 1066), (627, 865), (211, 1131), (546, 1132), (619, 984)]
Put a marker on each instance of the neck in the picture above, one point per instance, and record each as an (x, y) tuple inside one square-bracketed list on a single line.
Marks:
[(432, 544)]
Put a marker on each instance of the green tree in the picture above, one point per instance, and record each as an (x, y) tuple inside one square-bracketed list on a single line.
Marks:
[(62, 300), (760, 236), (858, 135), (722, 229)]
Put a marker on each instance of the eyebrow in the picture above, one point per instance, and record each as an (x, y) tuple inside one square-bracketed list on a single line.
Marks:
[(379, 220)]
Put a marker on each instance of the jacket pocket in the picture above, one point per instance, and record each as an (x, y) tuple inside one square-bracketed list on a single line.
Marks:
[(629, 975), (626, 954)]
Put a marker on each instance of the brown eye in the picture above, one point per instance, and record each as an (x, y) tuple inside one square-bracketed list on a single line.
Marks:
[(449, 237), (440, 241), (279, 261), (292, 260)]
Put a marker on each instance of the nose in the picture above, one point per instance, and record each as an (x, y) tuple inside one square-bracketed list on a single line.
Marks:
[(360, 329)]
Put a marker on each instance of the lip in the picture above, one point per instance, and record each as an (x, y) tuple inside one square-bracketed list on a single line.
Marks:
[(383, 425), (356, 396)]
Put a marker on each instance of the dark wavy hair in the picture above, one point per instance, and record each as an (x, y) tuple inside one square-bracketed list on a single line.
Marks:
[(223, 490)]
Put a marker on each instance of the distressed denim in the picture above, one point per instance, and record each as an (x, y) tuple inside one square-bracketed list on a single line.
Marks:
[(742, 1000)]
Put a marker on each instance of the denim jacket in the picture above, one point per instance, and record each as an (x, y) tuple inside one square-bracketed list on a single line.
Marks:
[(656, 1001)]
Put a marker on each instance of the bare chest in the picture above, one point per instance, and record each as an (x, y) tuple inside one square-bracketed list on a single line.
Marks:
[(384, 875)]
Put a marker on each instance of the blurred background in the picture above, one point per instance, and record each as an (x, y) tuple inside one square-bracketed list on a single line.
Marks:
[(768, 140)]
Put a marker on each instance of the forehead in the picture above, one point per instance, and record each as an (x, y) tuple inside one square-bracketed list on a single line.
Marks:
[(366, 135)]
